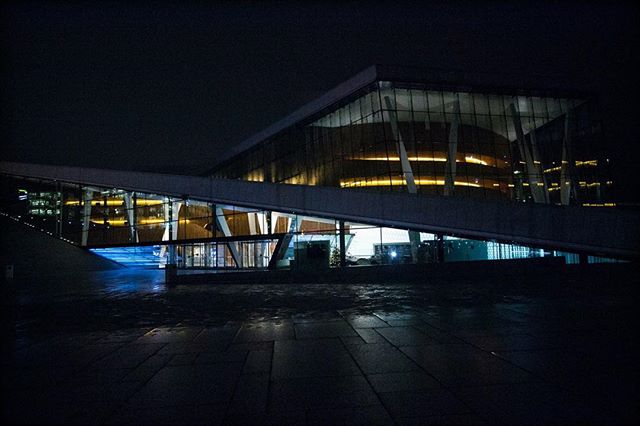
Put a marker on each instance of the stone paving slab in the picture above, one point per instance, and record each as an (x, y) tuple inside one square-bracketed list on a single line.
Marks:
[(371, 415), (365, 321), (459, 364), (370, 335), (517, 359), (206, 414), (318, 330), (312, 358), (402, 382), (189, 384), (168, 335), (531, 403), (335, 392), (422, 404), (265, 331), (381, 358), (250, 395), (405, 336)]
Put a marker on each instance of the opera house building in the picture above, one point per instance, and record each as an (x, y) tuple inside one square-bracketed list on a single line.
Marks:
[(395, 165)]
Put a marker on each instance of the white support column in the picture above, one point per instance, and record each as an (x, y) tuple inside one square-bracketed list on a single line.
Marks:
[(131, 217), (274, 221), (256, 248), (452, 152), (261, 224), (87, 197), (262, 229), (567, 167), (170, 230), (251, 220), (224, 227), (167, 219), (60, 207), (538, 165), (525, 154), (407, 172), (175, 213), (273, 226)]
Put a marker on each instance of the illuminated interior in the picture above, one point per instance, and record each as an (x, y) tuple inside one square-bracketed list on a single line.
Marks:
[(142, 230), (514, 147), (406, 137)]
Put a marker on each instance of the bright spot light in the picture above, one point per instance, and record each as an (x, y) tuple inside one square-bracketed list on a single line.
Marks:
[(394, 254)]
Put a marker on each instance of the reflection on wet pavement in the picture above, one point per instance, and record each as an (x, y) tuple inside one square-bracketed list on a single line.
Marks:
[(121, 347)]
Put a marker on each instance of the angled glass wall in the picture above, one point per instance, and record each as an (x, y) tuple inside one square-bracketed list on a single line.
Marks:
[(410, 138), (151, 230)]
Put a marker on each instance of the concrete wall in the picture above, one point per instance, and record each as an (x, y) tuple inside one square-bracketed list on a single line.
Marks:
[(536, 272), (35, 255)]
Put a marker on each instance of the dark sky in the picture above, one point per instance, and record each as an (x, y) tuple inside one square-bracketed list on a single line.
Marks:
[(154, 86)]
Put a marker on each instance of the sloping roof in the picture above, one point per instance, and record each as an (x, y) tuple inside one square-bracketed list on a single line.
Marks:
[(355, 83), (497, 83), (604, 232)]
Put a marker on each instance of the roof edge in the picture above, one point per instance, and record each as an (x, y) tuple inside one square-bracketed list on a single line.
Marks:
[(449, 78), (365, 77)]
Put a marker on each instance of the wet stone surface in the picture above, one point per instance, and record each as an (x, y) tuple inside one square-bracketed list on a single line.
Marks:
[(119, 347)]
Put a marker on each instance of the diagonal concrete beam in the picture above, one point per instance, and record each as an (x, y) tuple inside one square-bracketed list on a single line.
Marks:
[(407, 171), (224, 227), (452, 152), (87, 197)]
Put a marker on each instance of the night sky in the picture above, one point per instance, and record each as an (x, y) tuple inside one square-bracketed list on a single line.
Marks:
[(171, 86)]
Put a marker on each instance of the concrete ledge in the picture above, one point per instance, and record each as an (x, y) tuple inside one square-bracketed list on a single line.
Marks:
[(504, 272), (422, 273)]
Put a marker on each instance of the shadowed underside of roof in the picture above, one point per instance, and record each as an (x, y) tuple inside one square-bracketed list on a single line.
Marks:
[(604, 232)]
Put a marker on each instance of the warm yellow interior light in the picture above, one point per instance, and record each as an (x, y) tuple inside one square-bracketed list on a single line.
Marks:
[(122, 222), (112, 202), (399, 182), (468, 159), (475, 161)]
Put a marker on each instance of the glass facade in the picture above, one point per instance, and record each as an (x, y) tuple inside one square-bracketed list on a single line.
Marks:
[(411, 138), (385, 136), (151, 230)]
